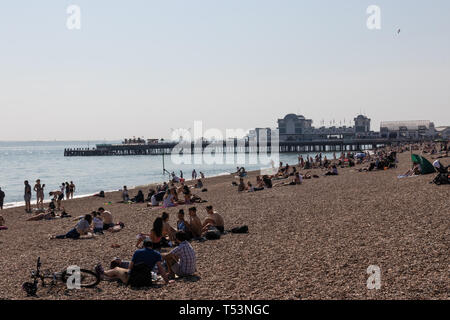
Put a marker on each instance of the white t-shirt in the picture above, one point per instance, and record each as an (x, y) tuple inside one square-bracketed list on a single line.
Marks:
[(154, 202), (436, 164)]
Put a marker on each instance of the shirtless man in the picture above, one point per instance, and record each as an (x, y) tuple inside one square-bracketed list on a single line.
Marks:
[(214, 219), (195, 223), (107, 218), (39, 189)]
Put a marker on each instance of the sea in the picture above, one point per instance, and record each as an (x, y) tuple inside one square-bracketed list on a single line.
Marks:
[(31, 160)]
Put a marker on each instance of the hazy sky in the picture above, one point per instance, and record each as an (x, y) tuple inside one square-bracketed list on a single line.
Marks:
[(141, 67)]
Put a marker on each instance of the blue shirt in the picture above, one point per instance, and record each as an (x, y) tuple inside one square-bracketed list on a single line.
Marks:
[(181, 226), (146, 255)]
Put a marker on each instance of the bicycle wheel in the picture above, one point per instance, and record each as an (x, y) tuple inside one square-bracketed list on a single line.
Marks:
[(88, 278)]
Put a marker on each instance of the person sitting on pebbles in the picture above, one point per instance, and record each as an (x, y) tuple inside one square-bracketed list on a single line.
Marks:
[(147, 256), (108, 222), (213, 220), (194, 223), (181, 261)]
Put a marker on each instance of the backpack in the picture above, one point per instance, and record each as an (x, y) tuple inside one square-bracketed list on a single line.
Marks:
[(212, 234), (441, 178), (242, 229), (140, 276)]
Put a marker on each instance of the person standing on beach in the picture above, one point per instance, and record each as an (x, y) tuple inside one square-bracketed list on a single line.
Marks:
[(2, 198), (39, 189), (181, 174), (71, 189), (27, 197), (194, 174), (67, 187)]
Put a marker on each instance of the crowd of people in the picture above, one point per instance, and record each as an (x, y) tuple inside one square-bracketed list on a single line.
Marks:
[(65, 191)]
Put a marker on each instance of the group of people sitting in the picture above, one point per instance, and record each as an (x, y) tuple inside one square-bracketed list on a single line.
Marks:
[(163, 234), (148, 261), (167, 194), (90, 225)]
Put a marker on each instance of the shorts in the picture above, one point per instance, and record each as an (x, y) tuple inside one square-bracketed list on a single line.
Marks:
[(61, 196), (98, 230), (106, 226), (27, 197), (176, 268), (220, 228)]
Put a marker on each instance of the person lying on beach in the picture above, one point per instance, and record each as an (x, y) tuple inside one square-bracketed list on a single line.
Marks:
[(195, 224), (82, 228), (48, 215), (155, 236), (332, 172), (181, 261), (147, 256), (307, 175), (370, 167), (214, 219), (439, 167), (298, 178), (250, 187)]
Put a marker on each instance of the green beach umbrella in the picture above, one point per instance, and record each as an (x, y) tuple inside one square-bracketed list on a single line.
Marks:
[(426, 166)]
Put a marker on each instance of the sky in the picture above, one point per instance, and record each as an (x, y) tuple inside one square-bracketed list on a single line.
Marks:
[(146, 67)]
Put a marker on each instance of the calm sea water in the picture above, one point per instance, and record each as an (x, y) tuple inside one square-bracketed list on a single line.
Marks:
[(21, 161)]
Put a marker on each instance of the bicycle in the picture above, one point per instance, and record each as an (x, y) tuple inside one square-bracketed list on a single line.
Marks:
[(88, 279)]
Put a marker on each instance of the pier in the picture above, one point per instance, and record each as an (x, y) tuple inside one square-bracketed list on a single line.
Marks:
[(160, 148)]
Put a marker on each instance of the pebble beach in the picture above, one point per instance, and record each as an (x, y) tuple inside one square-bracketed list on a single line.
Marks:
[(309, 241)]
